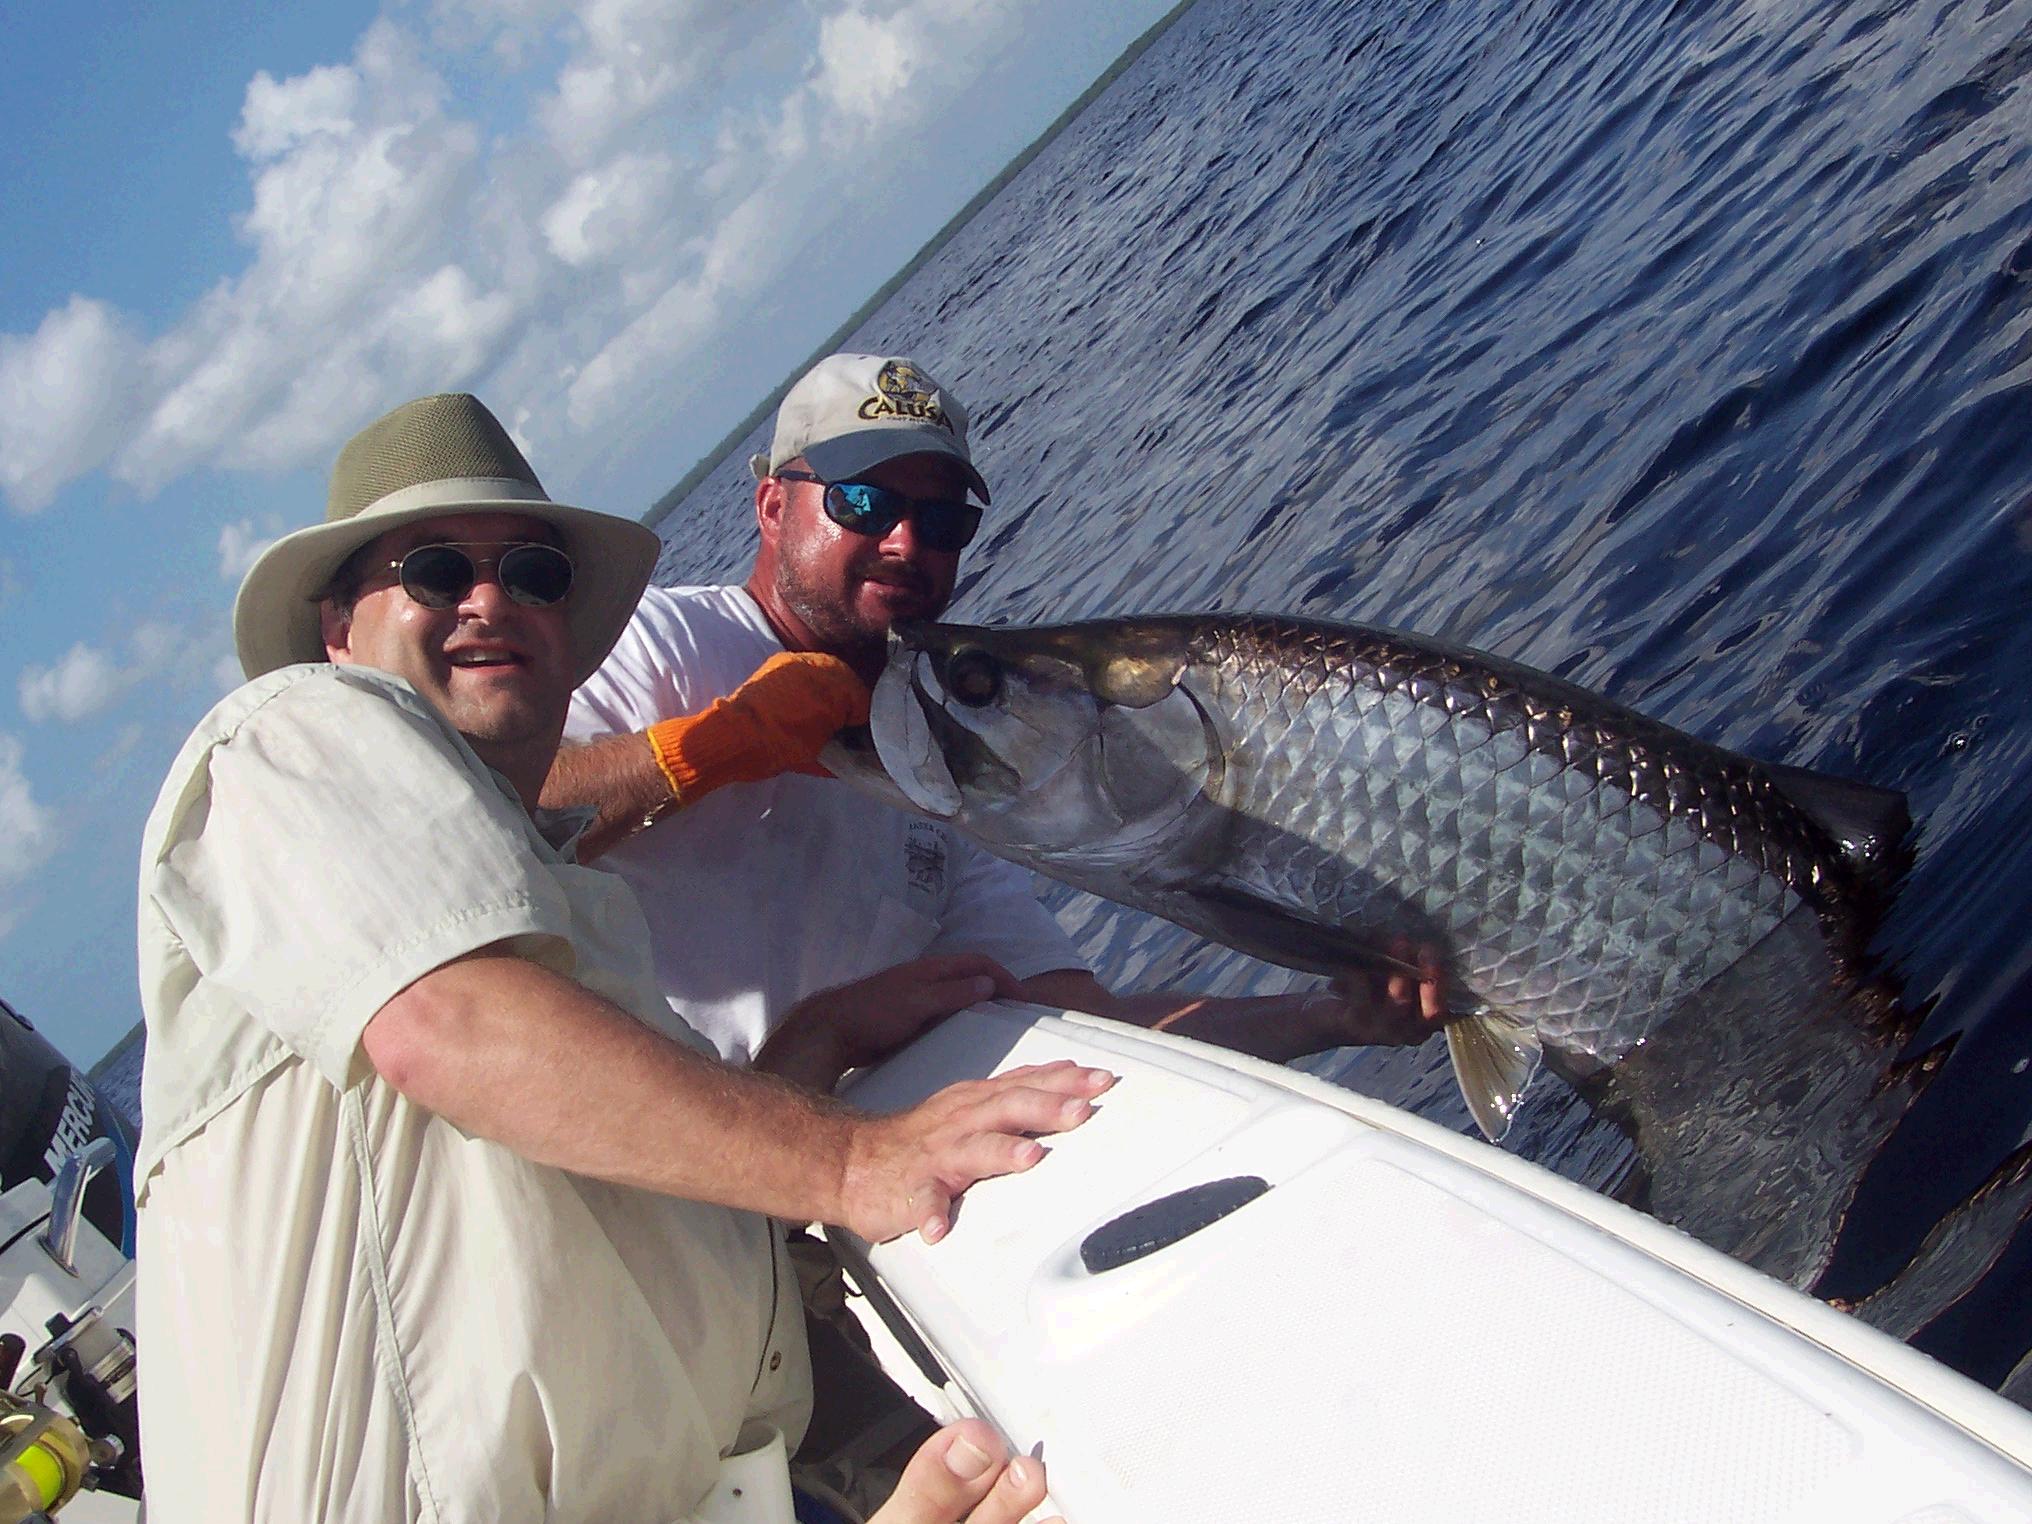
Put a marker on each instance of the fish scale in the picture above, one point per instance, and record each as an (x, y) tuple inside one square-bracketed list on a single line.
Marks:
[(1533, 831)]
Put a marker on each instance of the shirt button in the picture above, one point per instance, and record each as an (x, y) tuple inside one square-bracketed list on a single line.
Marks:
[(775, 1359)]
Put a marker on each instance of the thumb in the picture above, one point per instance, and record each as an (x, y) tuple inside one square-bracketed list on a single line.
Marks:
[(931, 1211), (809, 689)]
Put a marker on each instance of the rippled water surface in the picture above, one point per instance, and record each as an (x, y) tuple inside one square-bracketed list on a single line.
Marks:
[(1682, 350)]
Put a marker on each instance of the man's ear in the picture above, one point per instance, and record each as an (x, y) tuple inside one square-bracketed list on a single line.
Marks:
[(771, 502), (335, 629)]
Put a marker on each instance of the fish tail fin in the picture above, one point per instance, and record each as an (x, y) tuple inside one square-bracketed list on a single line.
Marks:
[(1494, 1056), (1870, 825)]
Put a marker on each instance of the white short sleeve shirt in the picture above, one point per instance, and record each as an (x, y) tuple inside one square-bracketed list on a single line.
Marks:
[(348, 1308), (763, 893)]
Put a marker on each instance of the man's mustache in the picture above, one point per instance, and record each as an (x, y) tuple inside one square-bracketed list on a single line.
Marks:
[(898, 574)]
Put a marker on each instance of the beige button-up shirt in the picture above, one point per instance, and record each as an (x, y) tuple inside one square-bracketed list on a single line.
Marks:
[(349, 1309)]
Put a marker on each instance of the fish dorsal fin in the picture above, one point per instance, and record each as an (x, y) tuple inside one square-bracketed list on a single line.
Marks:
[(1867, 823), (1494, 1056)]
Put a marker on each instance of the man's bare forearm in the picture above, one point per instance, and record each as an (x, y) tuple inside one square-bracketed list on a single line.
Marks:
[(618, 776), (512, 1052), (534, 1061), (1277, 1027)]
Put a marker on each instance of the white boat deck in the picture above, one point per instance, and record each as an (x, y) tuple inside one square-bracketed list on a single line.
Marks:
[(1397, 1324)]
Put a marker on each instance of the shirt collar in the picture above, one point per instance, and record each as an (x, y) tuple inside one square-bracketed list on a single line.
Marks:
[(563, 828)]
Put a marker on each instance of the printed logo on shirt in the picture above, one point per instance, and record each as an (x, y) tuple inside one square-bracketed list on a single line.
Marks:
[(924, 865)]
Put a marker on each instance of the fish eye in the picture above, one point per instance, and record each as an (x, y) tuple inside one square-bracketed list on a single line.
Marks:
[(973, 677)]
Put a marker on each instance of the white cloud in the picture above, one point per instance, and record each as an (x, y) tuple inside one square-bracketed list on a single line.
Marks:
[(350, 301), (83, 681), (187, 657), (632, 58), (733, 260), (582, 268), (864, 64), (28, 834), (240, 546), (126, 741), (609, 209), (61, 395), (276, 117)]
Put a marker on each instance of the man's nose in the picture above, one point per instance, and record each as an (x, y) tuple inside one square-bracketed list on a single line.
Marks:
[(486, 598), (901, 540)]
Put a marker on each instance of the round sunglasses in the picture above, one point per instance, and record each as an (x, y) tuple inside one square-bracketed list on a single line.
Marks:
[(440, 576), (943, 523)]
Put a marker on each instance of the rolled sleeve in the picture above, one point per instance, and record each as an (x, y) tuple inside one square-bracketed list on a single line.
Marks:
[(340, 843)]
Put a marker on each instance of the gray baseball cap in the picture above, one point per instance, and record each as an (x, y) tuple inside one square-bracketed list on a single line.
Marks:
[(849, 413)]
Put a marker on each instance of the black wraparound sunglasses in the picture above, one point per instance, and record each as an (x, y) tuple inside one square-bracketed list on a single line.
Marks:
[(440, 576), (943, 523)]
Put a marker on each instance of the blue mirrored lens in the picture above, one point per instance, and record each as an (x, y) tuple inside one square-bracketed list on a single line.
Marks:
[(864, 508)]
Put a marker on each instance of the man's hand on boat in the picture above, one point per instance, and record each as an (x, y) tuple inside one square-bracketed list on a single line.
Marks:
[(904, 1172), (862, 1022)]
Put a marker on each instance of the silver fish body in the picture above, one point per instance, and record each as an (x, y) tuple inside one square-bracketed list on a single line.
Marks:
[(1333, 797)]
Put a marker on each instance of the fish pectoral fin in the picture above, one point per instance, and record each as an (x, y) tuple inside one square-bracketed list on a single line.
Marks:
[(1280, 934), (1494, 1056)]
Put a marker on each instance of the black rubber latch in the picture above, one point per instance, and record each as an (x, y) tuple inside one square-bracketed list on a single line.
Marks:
[(1156, 1224)]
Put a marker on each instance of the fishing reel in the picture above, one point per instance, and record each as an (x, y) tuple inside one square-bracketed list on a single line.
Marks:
[(69, 1422), (69, 1425), (44, 1462)]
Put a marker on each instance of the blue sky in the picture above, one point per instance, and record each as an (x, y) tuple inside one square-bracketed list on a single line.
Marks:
[(235, 233)]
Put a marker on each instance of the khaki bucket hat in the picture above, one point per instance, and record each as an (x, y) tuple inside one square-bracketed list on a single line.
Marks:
[(428, 459)]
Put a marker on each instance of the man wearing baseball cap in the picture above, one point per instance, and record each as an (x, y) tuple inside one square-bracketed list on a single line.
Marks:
[(444, 1213), (817, 930)]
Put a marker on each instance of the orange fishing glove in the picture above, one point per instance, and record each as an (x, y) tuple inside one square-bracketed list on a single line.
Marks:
[(775, 722)]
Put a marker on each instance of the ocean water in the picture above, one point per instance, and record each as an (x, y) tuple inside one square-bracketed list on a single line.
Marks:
[(1684, 350)]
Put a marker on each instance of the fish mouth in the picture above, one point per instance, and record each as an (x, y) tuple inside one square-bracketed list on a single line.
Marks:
[(946, 769), (931, 757), (907, 738)]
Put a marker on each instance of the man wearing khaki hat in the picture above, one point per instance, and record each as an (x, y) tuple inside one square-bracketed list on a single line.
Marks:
[(444, 1214)]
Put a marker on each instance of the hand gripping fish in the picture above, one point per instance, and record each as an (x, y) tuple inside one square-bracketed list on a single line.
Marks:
[(1337, 797)]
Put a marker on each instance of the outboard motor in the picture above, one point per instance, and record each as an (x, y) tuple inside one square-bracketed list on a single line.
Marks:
[(68, 1421), (48, 1111)]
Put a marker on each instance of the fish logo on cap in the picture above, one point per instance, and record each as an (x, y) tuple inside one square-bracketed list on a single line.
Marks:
[(904, 391)]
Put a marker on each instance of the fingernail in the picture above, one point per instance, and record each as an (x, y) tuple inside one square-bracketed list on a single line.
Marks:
[(1031, 1151), (1018, 1472), (966, 1460), (933, 1229), (1074, 1110), (983, 988)]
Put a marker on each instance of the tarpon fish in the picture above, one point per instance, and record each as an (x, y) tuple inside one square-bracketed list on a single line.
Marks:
[(1337, 798)]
